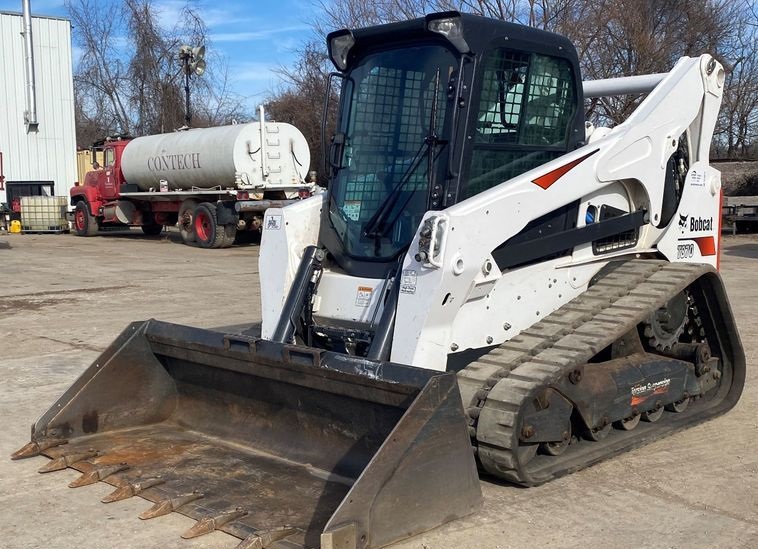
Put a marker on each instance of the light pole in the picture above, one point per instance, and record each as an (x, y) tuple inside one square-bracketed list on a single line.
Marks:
[(193, 62)]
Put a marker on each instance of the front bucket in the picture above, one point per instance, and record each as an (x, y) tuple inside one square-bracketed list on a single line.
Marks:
[(279, 445)]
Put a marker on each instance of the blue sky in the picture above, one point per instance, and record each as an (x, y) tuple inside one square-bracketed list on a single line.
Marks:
[(255, 37)]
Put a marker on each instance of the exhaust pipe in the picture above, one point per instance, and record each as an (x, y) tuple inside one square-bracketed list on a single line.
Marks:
[(30, 115)]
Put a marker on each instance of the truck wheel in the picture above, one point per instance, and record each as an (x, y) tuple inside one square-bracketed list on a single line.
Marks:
[(208, 233), (230, 234), (186, 220), (84, 223), (152, 229)]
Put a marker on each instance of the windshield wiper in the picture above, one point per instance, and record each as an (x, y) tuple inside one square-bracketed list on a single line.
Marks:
[(378, 225)]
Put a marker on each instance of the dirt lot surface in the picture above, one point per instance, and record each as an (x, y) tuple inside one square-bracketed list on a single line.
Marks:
[(63, 299)]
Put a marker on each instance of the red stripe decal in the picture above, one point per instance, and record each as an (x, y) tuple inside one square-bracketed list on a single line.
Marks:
[(637, 400), (549, 178), (707, 245)]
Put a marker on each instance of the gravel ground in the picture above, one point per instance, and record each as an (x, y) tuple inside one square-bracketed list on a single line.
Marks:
[(65, 298)]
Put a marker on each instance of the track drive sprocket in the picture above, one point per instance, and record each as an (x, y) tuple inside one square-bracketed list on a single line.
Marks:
[(665, 326)]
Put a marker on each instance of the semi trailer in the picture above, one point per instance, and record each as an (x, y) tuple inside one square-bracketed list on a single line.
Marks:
[(211, 182)]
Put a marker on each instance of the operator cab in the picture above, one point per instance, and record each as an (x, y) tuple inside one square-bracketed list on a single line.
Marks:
[(433, 111)]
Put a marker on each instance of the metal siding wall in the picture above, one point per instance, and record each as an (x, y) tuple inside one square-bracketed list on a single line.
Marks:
[(49, 154)]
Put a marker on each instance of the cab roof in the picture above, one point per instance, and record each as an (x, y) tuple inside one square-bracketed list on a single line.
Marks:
[(479, 34)]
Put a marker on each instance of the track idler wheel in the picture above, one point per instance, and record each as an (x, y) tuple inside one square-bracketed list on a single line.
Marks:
[(598, 433), (653, 415), (678, 407), (627, 424), (557, 448)]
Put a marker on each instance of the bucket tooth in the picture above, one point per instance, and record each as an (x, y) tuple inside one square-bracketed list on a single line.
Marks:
[(321, 440), (97, 474), (132, 489), (62, 462), (164, 507), (262, 539), (31, 449), (209, 524)]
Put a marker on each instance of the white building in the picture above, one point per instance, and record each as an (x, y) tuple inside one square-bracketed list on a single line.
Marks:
[(45, 154)]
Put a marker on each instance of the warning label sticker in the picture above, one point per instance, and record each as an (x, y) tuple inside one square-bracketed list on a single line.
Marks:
[(273, 222), (363, 296), (352, 209), (697, 179), (408, 283)]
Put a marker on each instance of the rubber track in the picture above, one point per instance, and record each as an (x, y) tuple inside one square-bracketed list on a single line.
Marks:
[(501, 382)]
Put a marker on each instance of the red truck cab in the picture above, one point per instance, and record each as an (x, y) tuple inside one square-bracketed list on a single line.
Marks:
[(97, 202), (95, 199)]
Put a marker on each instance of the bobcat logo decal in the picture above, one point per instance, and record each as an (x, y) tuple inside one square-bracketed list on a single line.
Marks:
[(683, 220)]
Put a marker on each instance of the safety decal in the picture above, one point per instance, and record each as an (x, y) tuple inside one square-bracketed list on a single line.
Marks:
[(273, 222), (408, 283), (363, 296), (352, 209), (697, 179)]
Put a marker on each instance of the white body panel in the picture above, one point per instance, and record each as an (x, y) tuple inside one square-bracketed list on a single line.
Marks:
[(286, 233), (694, 233), (239, 156), (48, 154), (461, 300), (506, 305), (348, 300)]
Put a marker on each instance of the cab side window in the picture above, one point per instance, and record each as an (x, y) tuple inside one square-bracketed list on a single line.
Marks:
[(524, 116), (502, 97)]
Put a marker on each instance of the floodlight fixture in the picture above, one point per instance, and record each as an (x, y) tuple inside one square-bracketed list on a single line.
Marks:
[(193, 63), (197, 67)]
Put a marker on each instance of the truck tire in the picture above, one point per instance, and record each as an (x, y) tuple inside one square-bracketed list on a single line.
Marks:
[(186, 221), (230, 231), (85, 224), (208, 233)]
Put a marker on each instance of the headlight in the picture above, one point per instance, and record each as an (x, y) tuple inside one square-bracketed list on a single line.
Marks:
[(450, 26)]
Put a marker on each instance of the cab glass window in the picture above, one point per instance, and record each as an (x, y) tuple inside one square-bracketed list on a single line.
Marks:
[(525, 112)]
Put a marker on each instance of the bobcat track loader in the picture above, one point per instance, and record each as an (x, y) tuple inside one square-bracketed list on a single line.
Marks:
[(488, 284)]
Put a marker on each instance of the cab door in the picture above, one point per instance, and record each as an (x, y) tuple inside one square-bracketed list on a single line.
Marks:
[(110, 189)]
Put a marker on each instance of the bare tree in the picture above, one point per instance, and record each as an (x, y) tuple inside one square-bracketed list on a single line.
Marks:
[(613, 38), (101, 75), (737, 129), (301, 100), (128, 78)]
